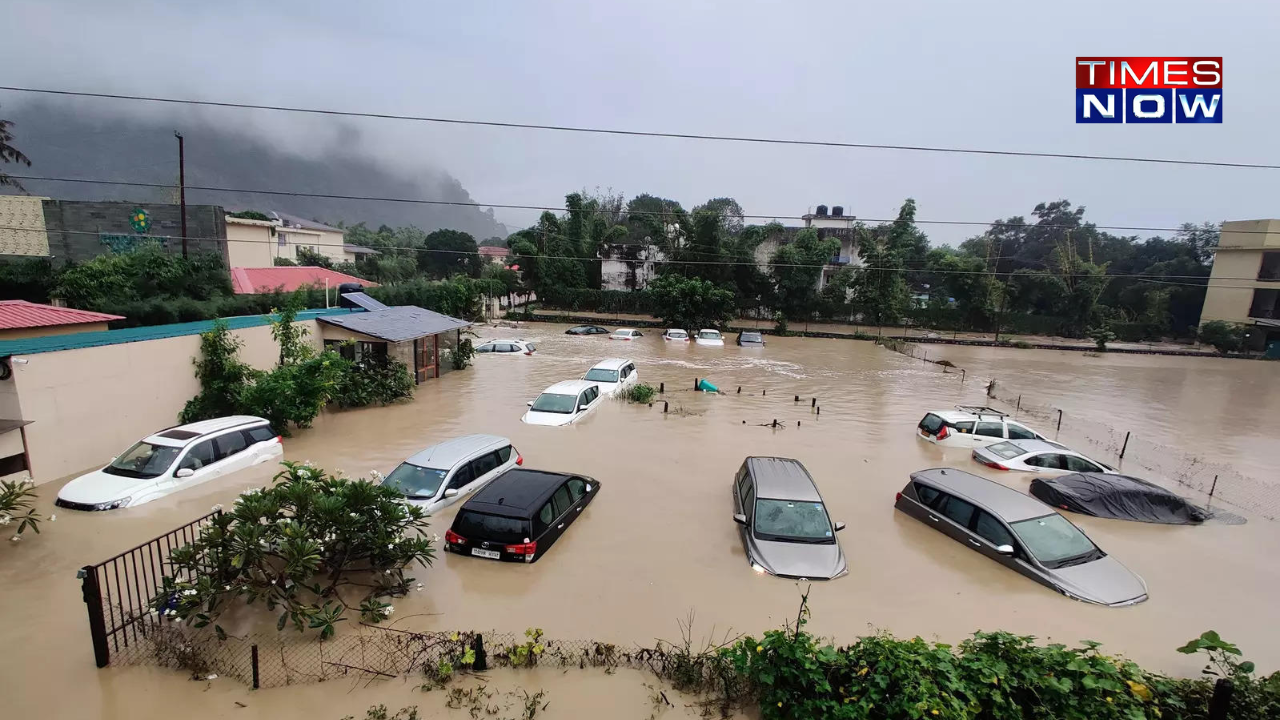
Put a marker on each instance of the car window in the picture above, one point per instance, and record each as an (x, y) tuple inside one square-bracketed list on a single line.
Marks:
[(1051, 461), (476, 526), (509, 348), (743, 483), (555, 403), (1004, 450), (992, 530), (1053, 539), (930, 423), (792, 520), (486, 348), (990, 429), (530, 347), (416, 481), (504, 453), (577, 488), (749, 501), (957, 510), (464, 476), (1079, 464), (928, 496), (201, 454), (262, 433), (546, 516), (965, 426), (228, 445), (562, 500), (484, 464), (1017, 432), (602, 375)]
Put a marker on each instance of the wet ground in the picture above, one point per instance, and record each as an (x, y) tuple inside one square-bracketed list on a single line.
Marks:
[(659, 541)]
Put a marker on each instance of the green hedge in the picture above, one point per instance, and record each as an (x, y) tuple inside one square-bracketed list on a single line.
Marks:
[(606, 301)]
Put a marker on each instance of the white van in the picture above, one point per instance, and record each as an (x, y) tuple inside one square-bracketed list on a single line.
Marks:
[(436, 477)]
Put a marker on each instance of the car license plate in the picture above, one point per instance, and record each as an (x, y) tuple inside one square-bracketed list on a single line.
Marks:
[(491, 554)]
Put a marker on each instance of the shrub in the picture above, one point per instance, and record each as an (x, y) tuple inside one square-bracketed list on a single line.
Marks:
[(589, 300), (640, 393), (294, 545), (461, 356), (377, 380), (1101, 336), (17, 501), (1224, 336)]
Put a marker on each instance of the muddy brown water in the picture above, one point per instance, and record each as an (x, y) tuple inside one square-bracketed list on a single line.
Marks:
[(659, 542)]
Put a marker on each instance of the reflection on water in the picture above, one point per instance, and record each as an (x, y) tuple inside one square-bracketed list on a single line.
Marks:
[(659, 541)]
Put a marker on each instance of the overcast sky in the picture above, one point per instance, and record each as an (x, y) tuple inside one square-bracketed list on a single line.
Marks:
[(974, 74)]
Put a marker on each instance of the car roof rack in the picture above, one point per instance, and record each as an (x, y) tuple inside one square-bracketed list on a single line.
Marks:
[(981, 410)]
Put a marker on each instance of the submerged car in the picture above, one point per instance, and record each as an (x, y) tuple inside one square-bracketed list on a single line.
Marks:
[(173, 460), (1020, 533), (437, 476), (586, 330), (626, 334), (519, 515), (507, 347), (613, 375), (972, 426), (676, 335), (1119, 497), (563, 403), (750, 339), (707, 336), (1042, 456), (783, 523)]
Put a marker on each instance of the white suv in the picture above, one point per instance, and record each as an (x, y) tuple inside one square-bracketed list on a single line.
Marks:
[(971, 426), (613, 376), (174, 460), (437, 476), (506, 347)]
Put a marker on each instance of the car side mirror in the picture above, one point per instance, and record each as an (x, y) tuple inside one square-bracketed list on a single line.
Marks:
[(530, 403), (839, 526), (1004, 549), (451, 493), (184, 473), (740, 519), (583, 406), (589, 488)]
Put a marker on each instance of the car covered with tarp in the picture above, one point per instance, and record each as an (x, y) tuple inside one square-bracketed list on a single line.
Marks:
[(1120, 497)]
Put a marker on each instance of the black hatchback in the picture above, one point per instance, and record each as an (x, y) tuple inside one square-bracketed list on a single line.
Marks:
[(519, 515)]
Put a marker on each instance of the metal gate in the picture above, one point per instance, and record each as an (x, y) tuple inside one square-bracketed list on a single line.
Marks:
[(118, 591)]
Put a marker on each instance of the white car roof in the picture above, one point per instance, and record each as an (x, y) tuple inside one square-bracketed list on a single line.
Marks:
[(622, 330), (710, 330), (453, 451), (961, 416), (569, 387), (676, 330), (201, 428), (1038, 446), (504, 340), (610, 364)]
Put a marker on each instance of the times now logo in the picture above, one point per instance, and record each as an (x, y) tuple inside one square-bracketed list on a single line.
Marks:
[(1149, 90)]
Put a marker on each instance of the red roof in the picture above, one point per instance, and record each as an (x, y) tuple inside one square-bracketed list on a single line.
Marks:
[(490, 251), (16, 314), (247, 281)]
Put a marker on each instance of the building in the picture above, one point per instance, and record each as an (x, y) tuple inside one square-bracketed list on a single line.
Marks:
[(77, 230), (628, 267), (254, 280), (494, 254), (22, 319), (409, 334), (259, 243), (833, 223), (1244, 286)]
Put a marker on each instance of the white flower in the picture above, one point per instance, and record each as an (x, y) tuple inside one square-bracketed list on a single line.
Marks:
[(188, 592), (217, 508), (391, 546), (435, 537), (419, 586), (212, 677), (53, 518), (15, 538), (5, 519), (226, 587), (386, 611)]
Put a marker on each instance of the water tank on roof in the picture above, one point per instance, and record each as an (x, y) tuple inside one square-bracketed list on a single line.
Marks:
[(345, 288), (822, 211), (837, 211)]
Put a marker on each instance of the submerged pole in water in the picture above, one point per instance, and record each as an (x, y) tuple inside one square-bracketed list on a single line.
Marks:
[(1059, 429), (1214, 486), (662, 388), (813, 402), (819, 409), (1126, 444), (797, 399), (763, 393), (695, 383)]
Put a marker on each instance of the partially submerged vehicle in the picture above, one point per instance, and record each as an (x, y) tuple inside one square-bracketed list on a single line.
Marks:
[(1120, 497), (783, 522)]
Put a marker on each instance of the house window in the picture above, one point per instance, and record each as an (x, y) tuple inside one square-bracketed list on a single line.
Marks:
[(1266, 305), (1270, 269), (358, 350), (282, 239)]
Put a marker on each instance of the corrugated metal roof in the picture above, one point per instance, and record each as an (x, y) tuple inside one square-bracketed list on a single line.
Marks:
[(54, 343), (248, 281), (395, 324), (16, 314)]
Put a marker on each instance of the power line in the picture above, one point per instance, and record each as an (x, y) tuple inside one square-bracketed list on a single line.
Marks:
[(410, 248), (647, 133), (551, 208)]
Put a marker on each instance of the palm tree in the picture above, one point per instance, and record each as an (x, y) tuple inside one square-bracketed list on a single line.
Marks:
[(10, 154)]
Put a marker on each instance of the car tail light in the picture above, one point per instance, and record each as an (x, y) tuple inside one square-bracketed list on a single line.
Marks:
[(528, 352), (993, 464), (519, 459), (897, 497), (943, 432), (454, 538), (528, 550), (280, 439)]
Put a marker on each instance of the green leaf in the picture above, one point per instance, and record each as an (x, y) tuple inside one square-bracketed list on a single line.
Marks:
[(222, 634), (1246, 667), (284, 618)]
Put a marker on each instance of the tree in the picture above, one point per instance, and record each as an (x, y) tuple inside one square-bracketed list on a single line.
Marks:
[(880, 289), (10, 154), (313, 258), (690, 303), (1224, 336), (728, 210), (796, 268), (447, 252), (962, 280)]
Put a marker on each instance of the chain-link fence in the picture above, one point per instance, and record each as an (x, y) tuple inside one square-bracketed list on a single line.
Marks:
[(1137, 455)]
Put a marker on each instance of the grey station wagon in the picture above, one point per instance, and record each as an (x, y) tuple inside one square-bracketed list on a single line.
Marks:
[(784, 525), (1020, 533)]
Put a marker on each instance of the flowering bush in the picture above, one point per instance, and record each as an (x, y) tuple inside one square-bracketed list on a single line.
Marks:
[(297, 546), (16, 499)]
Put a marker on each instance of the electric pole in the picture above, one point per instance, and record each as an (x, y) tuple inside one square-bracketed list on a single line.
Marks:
[(182, 190)]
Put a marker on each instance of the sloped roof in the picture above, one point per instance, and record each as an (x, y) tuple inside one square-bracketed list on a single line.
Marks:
[(305, 224), (246, 281), (490, 251), (16, 314), (396, 324)]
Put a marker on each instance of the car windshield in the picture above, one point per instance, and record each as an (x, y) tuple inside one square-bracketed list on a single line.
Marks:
[(1054, 541), (553, 403), (601, 375), (1006, 450), (415, 481), (477, 527), (792, 521), (530, 347), (143, 460), (750, 337), (709, 334), (677, 333)]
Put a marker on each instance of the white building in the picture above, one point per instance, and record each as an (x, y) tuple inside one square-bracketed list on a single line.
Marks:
[(828, 224), (257, 243), (629, 267)]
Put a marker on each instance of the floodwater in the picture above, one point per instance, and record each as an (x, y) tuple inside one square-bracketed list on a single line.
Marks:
[(659, 543)]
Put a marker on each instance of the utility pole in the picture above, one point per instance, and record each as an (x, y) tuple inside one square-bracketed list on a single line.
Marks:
[(1004, 296), (182, 190)]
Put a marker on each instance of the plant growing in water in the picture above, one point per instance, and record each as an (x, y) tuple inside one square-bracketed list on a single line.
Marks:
[(640, 393), (17, 498), (463, 354), (296, 545)]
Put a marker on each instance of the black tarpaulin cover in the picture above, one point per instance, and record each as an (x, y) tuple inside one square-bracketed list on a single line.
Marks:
[(1116, 496)]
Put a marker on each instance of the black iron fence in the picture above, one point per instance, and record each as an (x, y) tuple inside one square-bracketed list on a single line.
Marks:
[(118, 591)]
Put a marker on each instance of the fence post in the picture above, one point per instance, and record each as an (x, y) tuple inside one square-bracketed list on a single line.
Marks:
[(1125, 446), (253, 658), (1211, 489), (1019, 405), (482, 659), (1059, 428), (961, 376), (662, 388), (92, 592), (1220, 703)]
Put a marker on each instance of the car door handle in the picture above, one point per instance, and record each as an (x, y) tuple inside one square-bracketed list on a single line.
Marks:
[(579, 510), (934, 519), (560, 526), (975, 543)]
